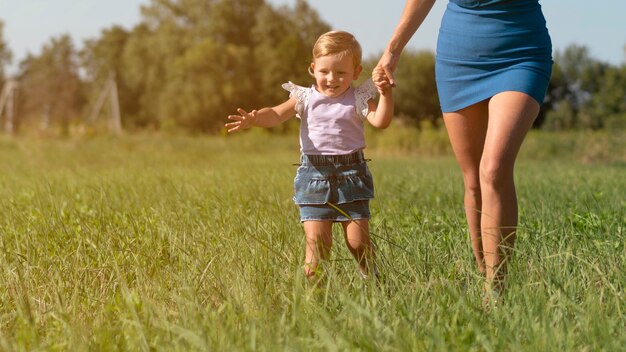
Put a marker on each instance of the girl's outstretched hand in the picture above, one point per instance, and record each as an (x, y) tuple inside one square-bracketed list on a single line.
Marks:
[(243, 121)]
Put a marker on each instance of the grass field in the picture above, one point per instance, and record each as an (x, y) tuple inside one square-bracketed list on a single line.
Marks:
[(193, 243)]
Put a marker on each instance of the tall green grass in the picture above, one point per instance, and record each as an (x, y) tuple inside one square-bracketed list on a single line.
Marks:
[(180, 243)]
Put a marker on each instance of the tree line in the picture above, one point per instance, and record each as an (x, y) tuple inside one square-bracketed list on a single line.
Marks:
[(189, 63)]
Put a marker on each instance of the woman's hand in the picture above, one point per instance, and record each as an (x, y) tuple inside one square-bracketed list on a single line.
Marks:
[(387, 63)]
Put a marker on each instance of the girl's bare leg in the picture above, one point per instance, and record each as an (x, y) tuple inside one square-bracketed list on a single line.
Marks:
[(319, 240), (358, 241)]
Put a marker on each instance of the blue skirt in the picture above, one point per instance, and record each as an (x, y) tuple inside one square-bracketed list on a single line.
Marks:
[(486, 47), (333, 187)]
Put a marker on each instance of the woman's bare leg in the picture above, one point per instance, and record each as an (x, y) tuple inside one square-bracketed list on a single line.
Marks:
[(467, 129), (486, 138), (511, 115)]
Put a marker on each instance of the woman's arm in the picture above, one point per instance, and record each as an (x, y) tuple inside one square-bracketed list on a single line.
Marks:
[(413, 15), (266, 117)]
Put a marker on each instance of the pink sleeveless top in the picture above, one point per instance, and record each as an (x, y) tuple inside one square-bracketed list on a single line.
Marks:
[(331, 126)]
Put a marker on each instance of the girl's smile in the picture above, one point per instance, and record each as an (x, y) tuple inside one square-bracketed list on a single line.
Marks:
[(334, 74)]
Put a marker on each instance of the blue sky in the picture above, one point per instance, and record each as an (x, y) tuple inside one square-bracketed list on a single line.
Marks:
[(599, 25)]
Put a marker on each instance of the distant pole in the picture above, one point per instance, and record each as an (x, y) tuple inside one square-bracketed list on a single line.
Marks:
[(45, 118), (115, 123), (108, 90), (96, 108), (7, 104)]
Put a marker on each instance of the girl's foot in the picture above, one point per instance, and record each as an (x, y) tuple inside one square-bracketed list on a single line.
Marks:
[(314, 275)]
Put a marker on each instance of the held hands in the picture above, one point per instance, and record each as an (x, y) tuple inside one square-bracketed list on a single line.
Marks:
[(381, 81), (241, 122), (383, 72)]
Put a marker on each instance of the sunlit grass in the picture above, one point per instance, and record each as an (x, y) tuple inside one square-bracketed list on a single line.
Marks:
[(148, 242)]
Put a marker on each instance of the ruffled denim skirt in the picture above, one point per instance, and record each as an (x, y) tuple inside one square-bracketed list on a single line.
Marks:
[(333, 187)]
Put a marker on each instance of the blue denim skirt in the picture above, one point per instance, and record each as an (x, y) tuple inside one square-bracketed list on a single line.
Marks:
[(333, 187)]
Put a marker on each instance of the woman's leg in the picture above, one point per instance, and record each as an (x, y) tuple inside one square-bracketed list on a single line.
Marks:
[(467, 129), (511, 115), (319, 240), (358, 241)]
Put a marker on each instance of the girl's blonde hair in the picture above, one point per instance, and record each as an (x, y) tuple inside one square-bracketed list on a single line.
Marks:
[(338, 43)]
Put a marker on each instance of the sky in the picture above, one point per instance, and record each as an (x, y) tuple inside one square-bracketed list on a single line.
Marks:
[(29, 24)]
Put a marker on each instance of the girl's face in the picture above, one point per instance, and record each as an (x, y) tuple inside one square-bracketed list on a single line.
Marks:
[(334, 74)]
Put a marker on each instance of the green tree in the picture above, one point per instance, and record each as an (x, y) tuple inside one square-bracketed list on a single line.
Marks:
[(103, 57), (573, 86), (5, 55), (195, 61), (50, 84), (416, 93), (191, 59), (607, 108), (144, 61), (283, 39)]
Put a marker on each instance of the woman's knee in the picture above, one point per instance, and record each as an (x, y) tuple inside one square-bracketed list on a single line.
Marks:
[(495, 174), (472, 185)]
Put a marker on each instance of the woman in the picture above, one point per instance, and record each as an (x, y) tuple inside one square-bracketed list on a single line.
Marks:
[(492, 71)]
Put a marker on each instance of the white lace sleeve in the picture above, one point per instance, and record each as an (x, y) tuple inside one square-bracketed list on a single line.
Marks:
[(364, 92), (301, 94)]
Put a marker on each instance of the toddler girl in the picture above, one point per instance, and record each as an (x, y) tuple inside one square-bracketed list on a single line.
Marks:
[(333, 182)]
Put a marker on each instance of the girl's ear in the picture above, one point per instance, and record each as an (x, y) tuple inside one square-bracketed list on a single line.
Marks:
[(357, 71), (312, 69)]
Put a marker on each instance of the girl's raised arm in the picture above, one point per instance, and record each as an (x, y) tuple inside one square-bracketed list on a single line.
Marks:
[(266, 117)]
